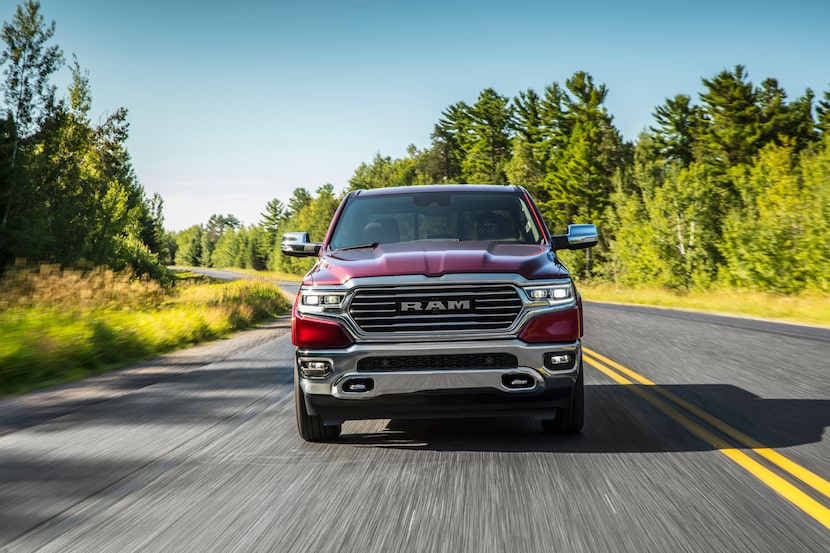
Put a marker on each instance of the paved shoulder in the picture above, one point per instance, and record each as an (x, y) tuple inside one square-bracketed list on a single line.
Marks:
[(37, 407)]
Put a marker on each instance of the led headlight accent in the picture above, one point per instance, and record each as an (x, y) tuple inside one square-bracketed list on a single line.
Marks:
[(538, 294)]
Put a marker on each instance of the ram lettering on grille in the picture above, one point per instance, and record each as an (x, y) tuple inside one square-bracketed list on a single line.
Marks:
[(451, 305)]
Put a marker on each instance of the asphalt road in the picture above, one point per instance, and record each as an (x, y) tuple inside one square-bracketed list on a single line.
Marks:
[(702, 434)]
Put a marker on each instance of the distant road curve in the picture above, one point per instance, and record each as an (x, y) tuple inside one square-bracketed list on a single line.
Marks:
[(288, 286)]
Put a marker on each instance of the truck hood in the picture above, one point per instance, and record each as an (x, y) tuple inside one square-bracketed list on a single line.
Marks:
[(434, 259)]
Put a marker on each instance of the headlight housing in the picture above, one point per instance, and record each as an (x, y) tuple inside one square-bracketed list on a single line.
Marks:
[(321, 301), (552, 294)]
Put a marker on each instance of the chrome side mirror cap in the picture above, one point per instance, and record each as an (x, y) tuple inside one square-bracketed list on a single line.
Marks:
[(579, 237), (298, 244)]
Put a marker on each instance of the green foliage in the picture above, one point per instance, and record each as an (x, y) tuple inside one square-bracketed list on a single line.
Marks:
[(766, 244), (485, 139), (189, 246), (213, 231), (823, 112), (272, 218), (299, 200), (679, 124), (240, 248), (722, 193), (524, 168), (69, 194), (578, 181), (56, 326), (223, 243), (815, 215), (446, 153), (29, 63), (384, 172)]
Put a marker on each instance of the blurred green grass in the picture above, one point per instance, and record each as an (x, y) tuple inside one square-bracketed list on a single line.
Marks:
[(59, 325)]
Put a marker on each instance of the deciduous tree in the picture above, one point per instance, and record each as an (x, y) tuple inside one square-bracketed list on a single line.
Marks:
[(29, 62)]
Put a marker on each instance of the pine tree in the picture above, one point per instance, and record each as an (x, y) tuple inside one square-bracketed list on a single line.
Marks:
[(785, 122), (446, 142), (587, 152), (823, 111), (679, 125), (486, 140), (733, 115)]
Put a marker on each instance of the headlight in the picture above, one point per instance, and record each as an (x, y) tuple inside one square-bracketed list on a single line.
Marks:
[(317, 302), (554, 294)]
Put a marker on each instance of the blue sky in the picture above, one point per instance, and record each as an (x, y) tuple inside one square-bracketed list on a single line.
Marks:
[(232, 104)]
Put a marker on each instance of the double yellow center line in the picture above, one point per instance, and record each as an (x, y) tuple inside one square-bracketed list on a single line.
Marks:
[(673, 406)]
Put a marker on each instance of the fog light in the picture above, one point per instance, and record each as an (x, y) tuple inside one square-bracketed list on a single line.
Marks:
[(516, 381), (359, 385), (315, 369), (559, 361)]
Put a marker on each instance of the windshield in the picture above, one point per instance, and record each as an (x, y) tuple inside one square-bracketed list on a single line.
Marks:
[(447, 216)]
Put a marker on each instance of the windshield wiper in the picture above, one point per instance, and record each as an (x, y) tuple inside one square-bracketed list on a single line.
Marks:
[(372, 245), (437, 240)]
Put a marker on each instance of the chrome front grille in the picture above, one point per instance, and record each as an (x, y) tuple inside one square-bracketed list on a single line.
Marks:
[(459, 308)]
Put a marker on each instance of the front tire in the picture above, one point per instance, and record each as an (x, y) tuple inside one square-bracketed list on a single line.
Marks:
[(311, 427), (569, 421)]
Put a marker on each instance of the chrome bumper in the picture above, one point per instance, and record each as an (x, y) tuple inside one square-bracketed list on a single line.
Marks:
[(531, 367)]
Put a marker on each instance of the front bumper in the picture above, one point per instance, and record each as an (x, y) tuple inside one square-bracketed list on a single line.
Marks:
[(529, 388)]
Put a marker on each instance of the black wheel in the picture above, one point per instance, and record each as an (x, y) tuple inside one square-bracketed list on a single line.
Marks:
[(569, 421), (311, 427)]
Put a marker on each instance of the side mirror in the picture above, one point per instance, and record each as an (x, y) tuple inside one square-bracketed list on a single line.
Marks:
[(579, 237), (297, 244)]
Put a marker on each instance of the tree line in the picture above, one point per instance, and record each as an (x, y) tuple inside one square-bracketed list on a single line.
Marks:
[(731, 189), (68, 191)]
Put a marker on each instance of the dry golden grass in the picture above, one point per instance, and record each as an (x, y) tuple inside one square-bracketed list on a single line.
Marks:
[(50, 286), (59, 325), (811, 308)]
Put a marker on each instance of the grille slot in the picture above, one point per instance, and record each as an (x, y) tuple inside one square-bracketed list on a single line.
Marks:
[(438, 362), (469, 309)]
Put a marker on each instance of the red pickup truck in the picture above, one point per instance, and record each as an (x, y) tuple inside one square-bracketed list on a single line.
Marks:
[(437, 301)]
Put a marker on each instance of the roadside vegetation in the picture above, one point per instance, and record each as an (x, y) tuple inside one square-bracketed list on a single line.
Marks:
[(61, 325), (811, 308)]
